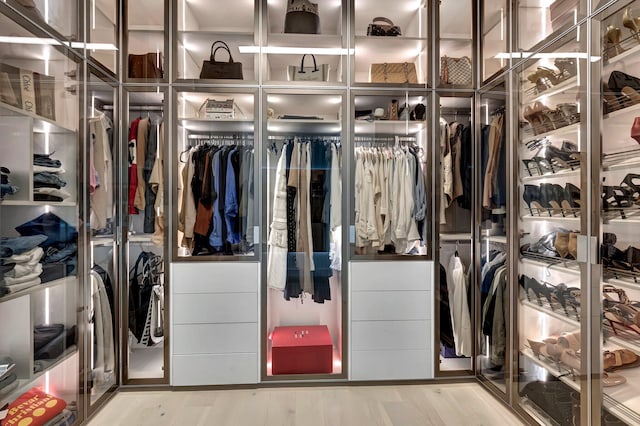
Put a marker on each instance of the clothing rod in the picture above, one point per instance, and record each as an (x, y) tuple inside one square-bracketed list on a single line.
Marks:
[(446, 111), (382, 139), (304, 138), (139, 108)]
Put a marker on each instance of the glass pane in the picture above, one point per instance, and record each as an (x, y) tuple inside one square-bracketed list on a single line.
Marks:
[(146, 239), (455, 218), (494, 37), (541, 20), (39, 219), (390, 133), (304, 211), (403, 49), (216, 162), (322, 38), (456, 46), (620, 192), (103, 32), (494, 285), (62, 17), (145, 37), (551, 210), (200, 25), (102, 286)]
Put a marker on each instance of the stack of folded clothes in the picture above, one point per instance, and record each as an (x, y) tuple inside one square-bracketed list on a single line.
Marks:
[(47, 182), (5, 184), (60, 247), (50, 342), (8, 378), (36, 408), (20, 263)]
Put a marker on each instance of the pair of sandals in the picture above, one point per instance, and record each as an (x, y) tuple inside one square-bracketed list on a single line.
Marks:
[(623, 196), (614, 258)]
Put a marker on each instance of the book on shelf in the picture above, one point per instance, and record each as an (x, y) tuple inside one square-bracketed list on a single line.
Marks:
[(10, 85), (27, 90), (45, 88)]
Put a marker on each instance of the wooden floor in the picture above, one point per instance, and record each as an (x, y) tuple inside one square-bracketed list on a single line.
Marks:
[(407, 405)]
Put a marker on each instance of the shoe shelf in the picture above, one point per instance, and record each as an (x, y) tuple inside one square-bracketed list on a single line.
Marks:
[(553, 218), (569, 266), (571, 320), (566, 130), (620, 275), (563, 173), (570, 83), (632, 48), (395, 127), (623, 160), (555, 368), (500, 239), (622, 111)]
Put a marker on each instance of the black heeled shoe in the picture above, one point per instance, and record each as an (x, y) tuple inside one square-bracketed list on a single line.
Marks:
[(616, 198), (568, 297), (540, 291), (571, 203), (531, 196), (551, 197), (563, 159), (633, 189)]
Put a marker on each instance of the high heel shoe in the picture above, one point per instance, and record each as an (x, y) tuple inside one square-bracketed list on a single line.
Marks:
[(535, 120), (569, 112), (571, 202), (633, 189), (540, 82), (563, 159), (562, 244), (612, 41), (568, 67), (531, 197), (616, 318), (551, 197), (547, 116), (615, 198), (573, 245), (633, 24), (568, 297)]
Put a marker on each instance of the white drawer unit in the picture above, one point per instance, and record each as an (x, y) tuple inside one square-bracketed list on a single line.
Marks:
[(215, 333), (391, 305)]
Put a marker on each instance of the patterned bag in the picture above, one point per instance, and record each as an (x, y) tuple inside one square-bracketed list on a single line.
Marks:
[(403, 72), (457, 71)]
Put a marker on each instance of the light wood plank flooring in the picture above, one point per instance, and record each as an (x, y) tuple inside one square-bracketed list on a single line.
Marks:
[(407, 405)]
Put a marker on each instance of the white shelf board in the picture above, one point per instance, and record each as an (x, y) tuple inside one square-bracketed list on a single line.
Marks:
[(501, 239), (561, 174), (547, 217), (564, 86), (631, 110), (379, 50), (68, 280), (455, 237), (321, 127), (630, 53), (25, 203), (395, 127), (573, 128), (630, 285), (304, 40), (560, 266), (563, 375), (146, 28), (630, 163), (555, 314), (40, 124), (208, 125)]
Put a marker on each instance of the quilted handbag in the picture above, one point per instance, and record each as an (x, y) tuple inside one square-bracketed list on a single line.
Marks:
[(302, 73), (455, 71), (403, 72), (381, 26), (218, 69), (147, 65), (302, 17)]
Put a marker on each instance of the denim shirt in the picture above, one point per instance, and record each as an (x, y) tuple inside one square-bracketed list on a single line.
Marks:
[(231, 200), (215, 239)]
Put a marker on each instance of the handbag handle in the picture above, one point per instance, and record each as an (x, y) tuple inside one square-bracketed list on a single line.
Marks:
[(315, 66), (213, 52), (225, 47), (382, 19)]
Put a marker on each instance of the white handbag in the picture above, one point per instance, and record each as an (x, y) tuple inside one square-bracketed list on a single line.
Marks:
[(302, 73)]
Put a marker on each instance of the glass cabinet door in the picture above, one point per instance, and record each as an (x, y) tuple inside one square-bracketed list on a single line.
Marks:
[(145, 226), (390, 131), (40, 220), (102, 32), (455, 40), (206, 32), (494, 33), (541, 20), (102, 286), (392, 49), (492, 306), (619, 214), (551, 220), (216, 162), (146, 39), (304, 292), (456, 219)]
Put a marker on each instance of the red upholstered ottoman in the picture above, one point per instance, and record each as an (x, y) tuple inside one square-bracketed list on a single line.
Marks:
[(304, 349)]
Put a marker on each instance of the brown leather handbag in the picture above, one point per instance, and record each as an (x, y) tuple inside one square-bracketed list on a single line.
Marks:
[(148, 65)]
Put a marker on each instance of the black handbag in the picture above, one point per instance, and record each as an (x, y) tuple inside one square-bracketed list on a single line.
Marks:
[(302, 17), (381, 26), (221, 70)]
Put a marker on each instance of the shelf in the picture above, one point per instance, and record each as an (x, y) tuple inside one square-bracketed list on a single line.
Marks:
[(622, 283), (570, 83), (627, 53), (302, 127), (40, 125), (547, 217), (388, 127), (304, 40), (69, 280), (555, 369), (25, 203), (561, 265), (208, 125), (561, 174), (143, 238), (145, 28), (455, 237), (500, 239), (102, 241), (623, 165), (623, 111), (575, 127), (557, 315)]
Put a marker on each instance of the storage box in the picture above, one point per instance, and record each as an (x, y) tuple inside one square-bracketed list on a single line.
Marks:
[(304, 349)]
